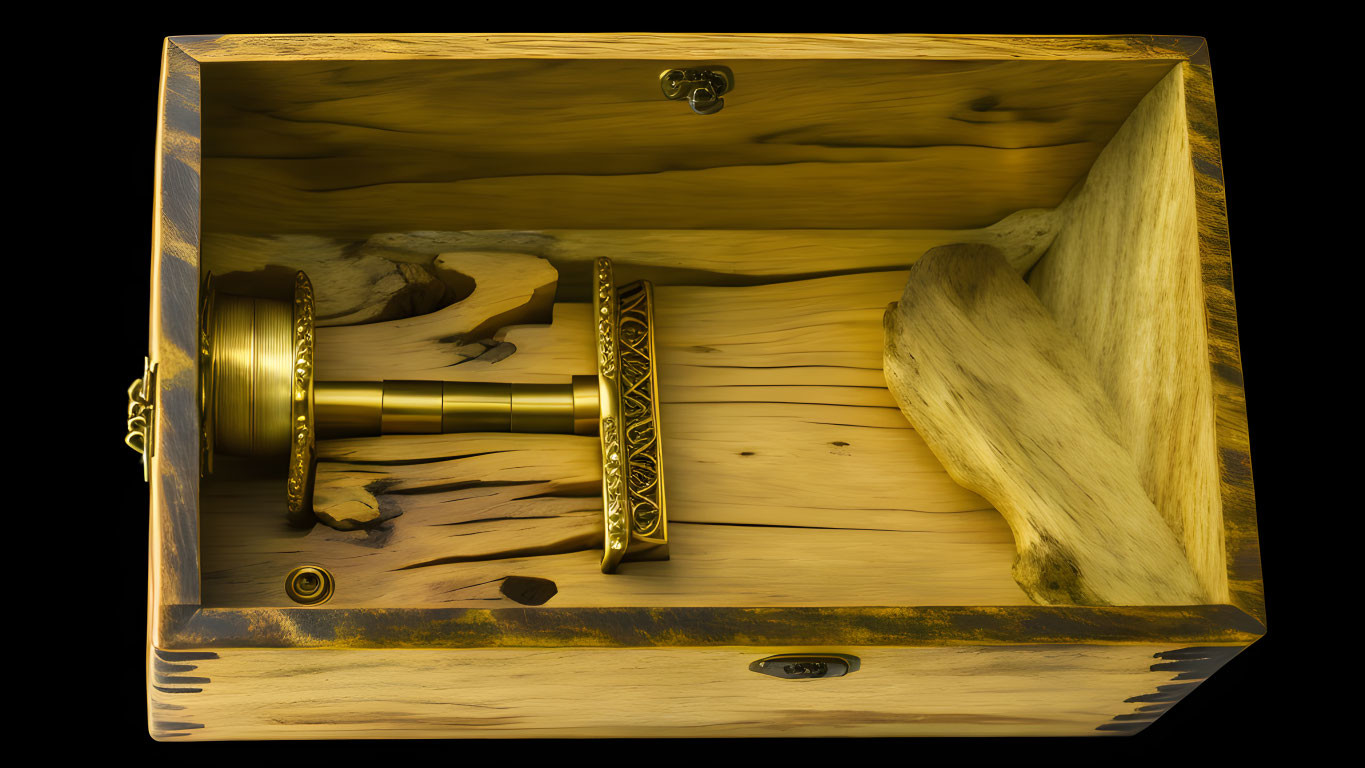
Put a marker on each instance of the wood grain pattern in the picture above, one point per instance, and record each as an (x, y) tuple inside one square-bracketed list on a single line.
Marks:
[(1011, 405), (1237, 495), (174, 342), (685, 47), (350, 149), (366, 275), (500, 693), (1123, 277)]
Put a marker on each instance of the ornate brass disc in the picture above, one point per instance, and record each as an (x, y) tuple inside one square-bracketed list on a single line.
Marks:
[(302, 452)]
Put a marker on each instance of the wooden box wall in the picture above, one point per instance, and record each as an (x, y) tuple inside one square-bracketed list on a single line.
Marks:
[(867, 185)]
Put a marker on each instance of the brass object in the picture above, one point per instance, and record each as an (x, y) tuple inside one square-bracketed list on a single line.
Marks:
[(701, 88), (309, 585), (141, 435), (303, 457), (259, 399)]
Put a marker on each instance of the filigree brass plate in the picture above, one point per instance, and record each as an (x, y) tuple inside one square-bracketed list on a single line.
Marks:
[(634, 519), (302, 451)]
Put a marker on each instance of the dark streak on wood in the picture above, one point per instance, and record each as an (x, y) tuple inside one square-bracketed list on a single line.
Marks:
[(632, 627), (1238, 497), (1190, 665), (176, 299)]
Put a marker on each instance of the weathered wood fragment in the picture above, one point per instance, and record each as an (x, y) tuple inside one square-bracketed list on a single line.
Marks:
[(1012, 407)]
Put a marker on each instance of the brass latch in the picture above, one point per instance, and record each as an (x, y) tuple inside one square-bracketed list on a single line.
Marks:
[(702, 88), (141, 435)]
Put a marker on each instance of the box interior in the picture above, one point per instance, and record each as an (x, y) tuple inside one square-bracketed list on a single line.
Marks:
[(776, 232)]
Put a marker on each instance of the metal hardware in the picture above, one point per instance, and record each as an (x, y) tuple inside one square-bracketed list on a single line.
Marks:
[(309, 585), (796, 666), (141, 435), (702, 88), (259, 399)]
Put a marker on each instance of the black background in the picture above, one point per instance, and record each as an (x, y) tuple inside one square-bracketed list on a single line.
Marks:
[(97, 185)]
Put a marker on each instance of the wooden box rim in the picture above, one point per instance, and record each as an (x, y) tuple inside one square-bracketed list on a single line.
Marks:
[(177, 620)]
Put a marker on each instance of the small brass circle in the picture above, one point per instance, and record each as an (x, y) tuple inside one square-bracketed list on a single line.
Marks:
[(309, 585)]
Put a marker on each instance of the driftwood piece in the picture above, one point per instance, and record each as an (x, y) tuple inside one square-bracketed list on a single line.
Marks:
[(1124, 277), (1011, 405)]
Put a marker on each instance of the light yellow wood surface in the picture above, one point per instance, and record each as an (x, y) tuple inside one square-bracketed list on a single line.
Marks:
[(1124, 279), (1011, 405), (690, 47), (358, 280), (354, 148), (1074, 690)]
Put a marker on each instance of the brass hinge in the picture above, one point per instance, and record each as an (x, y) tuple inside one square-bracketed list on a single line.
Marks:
[(702, 88), (141, 435)]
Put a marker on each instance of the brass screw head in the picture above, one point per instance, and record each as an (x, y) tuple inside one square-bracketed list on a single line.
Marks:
[(309, 585)]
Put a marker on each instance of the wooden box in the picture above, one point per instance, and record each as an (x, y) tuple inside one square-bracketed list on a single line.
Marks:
[(807, 515)]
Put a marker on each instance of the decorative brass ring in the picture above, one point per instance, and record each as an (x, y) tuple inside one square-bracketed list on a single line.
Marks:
[(302, 450), (614, 503), (309, 585), (206, 377)]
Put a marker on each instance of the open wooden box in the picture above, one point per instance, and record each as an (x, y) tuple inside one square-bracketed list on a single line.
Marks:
[(412, 173)]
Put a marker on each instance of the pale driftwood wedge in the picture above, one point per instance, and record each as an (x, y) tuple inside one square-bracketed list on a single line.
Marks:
[(1013, 409)]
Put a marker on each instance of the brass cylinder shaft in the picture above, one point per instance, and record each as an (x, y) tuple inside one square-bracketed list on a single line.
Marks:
[(372, 408)]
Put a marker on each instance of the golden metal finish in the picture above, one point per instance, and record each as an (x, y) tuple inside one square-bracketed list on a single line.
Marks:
[(587, 404), (411, 408), (542, 408), (253, 371), (476, 407), (141, 435), (605, 306), (259, 399), (206, 376), (702, 88), (640, 414), (348, 408), (372, 408), (309, 585), (303, 455)]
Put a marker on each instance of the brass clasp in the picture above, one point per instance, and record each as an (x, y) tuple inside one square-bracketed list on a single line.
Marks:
[(703, 88), (141, 435)]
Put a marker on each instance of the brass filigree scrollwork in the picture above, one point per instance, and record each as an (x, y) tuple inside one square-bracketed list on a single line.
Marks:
[(639, 408), (302, 453), (614, 497)]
